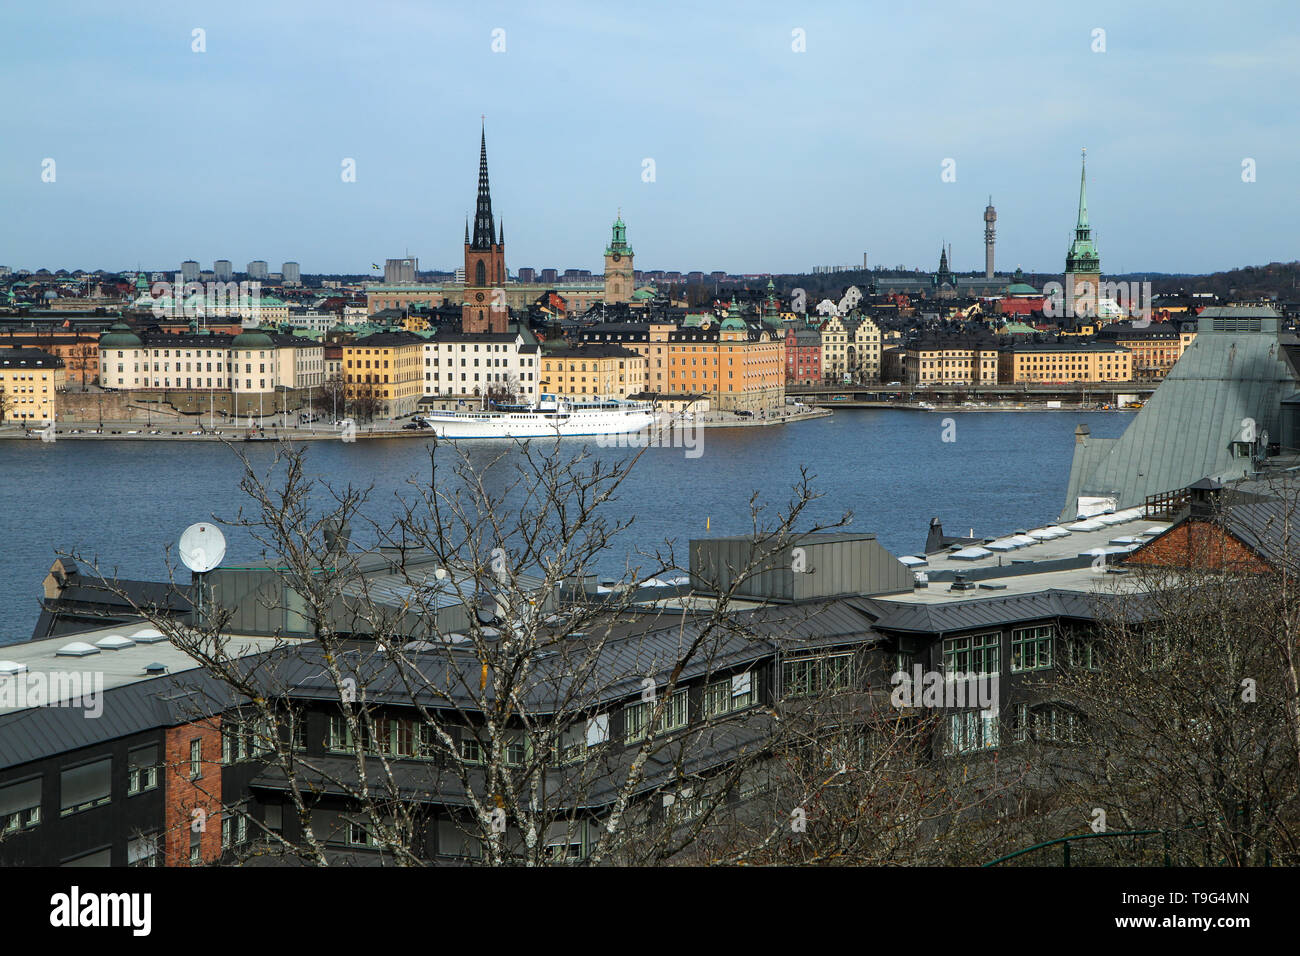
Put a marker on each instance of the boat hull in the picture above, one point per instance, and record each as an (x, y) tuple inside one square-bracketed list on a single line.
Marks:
[(515, 425)]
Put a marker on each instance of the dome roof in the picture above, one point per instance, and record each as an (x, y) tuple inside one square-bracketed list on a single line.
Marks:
[(252, 340), (119, 336), (733, 322)]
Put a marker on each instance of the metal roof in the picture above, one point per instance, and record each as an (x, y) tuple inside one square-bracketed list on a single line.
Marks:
[(1186, 430)]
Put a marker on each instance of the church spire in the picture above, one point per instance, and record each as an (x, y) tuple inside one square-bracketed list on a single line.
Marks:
[(1083, 191), (1083, 257), (483, 238)]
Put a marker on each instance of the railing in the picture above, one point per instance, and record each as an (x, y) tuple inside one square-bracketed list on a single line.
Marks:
[(1165, 504)]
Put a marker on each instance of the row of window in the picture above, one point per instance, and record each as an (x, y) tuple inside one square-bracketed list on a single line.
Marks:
[(972, 730), (1032, 649), (81, 788)]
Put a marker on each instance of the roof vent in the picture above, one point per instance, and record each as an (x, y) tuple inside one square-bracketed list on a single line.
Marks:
[(155, 669), (9, 668), (959, 583), (77, 649)]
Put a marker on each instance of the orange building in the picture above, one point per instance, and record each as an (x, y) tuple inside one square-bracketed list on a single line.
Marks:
[(79, 351), (738, 365)]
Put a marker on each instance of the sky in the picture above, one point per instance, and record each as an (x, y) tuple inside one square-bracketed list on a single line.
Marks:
[(764, 157)]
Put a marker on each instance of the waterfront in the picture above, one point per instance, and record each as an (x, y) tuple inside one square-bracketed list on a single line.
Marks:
[(125, 501)]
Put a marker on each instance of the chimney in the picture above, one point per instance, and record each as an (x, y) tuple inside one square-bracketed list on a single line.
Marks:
[(1082, 433)]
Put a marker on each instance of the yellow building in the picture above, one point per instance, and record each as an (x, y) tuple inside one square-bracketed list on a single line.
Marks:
[(383, 373), (29, 380), (593, 371), (1155, 347), (850, 347), (1090, 362), (950, 362)]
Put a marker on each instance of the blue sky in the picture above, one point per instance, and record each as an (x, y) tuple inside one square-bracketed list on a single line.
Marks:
[(765, 159)]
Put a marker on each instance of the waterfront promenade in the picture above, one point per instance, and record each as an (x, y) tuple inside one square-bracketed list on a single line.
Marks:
[(273, 430)]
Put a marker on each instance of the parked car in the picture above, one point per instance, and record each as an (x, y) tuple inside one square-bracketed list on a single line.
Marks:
[(744, 413), (412, 426)]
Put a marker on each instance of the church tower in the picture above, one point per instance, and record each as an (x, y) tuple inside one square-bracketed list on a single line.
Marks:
[(1082, 263), (484, 308), (618, 265)]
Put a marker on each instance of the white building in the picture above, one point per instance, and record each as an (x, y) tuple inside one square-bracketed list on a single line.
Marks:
[(314, 321), (473, 364)]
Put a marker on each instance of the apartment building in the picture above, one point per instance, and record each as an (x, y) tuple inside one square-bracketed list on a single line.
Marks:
[(29, 381), (593, 371)]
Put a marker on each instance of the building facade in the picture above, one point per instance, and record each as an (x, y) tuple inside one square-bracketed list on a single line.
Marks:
[(29, 382), (1064, 363), (593, 371), (386, 371), (473, 365)]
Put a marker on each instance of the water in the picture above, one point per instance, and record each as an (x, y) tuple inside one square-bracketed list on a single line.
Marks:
[(124, 502)]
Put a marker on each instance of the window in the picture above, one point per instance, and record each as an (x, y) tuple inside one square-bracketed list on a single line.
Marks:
[(1031, 648), (1084, 653), (358, 835), (1051, 723), (564, 850), (717, 698), (89, 785), (196, 759), (635, 718), (598, 730), (471, 751), (976, 654), (196, 852), (806, 676), (143, 850), (20, 805), (971, 730), (141, 769), (340, 738)]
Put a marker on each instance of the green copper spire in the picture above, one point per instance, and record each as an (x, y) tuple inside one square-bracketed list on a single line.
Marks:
[(618, 241), (1083, 256)]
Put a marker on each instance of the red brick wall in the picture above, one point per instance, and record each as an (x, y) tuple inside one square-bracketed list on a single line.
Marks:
[(182, 795), (1197, 544)]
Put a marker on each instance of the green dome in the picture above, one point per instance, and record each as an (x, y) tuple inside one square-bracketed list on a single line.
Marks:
[(732, 322), (119, 336), (252, 340)]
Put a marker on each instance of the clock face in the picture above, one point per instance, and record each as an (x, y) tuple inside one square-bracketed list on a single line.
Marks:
[(478, 296), (616, 257)]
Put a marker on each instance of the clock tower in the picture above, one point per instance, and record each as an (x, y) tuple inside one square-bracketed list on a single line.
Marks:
[(484, 308), (618, 265)]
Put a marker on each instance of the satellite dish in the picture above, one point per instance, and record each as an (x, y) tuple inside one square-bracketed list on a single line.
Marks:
[(202, 547)]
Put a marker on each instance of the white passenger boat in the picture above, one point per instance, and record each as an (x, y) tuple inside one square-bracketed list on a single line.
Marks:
[(550, 417)]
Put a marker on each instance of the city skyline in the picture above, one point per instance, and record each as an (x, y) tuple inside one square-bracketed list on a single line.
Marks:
[(127, 111)]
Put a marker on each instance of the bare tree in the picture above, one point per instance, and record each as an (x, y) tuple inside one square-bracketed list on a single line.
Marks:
[(1183, 707)]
